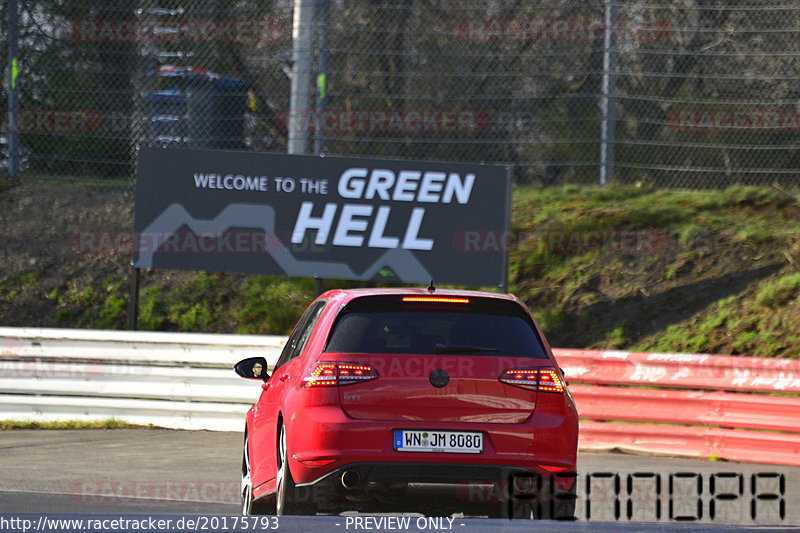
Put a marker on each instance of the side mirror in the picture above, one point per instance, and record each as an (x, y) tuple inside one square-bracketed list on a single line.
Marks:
[(252, 368)]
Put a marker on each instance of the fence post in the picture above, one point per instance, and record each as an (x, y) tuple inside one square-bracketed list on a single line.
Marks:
[(608, 101), (302, 63), (14, 119), (324, 20)]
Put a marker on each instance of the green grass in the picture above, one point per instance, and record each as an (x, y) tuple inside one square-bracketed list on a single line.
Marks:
[(151, 308), (586, 296), (192, 307), (272, 304), (687, 213), (701, 228), (114, 313), (758, 323), (617, 338), (109, 423), (214, 302), (16, 285), (688, 232), (779, 292), (696, 336), (101, 305), (549, 319)]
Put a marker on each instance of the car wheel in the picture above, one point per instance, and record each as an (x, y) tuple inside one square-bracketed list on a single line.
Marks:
[(249, 507), (286, 494)]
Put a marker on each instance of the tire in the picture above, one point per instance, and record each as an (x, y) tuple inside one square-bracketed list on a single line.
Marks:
[(286, 493), (248, 506)]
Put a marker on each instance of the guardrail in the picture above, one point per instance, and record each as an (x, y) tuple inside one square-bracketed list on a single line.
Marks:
[(173, 380), (735, 408)]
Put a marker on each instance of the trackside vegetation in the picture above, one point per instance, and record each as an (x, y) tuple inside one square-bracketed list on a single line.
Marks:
[(620, 267), (111, 423)]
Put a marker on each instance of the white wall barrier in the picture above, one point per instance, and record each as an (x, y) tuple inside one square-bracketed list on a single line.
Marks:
[(186, 381), (173, 380)]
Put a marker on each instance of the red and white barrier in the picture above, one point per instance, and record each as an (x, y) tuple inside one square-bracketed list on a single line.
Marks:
[(687, 371), (735, 408)]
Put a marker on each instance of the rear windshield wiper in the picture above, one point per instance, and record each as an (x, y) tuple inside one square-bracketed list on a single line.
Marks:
[(442, 348)]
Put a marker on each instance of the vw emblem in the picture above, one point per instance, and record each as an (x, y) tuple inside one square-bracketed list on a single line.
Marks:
[(439, 378)]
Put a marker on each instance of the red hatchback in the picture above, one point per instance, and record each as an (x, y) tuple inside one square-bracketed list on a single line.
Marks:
[(433, 401)]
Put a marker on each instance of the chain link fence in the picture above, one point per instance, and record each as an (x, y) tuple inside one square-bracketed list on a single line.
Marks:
[(693, 94)]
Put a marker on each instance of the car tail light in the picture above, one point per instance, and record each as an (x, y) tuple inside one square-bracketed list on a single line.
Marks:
[(317, 462), (327, 374), (435, 300), (543, 379), (549, 381), (553, 468)]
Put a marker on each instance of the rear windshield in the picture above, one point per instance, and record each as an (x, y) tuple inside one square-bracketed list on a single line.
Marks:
[(386, 324)]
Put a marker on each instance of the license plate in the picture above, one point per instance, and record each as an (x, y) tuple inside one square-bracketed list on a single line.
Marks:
[(406, 440)]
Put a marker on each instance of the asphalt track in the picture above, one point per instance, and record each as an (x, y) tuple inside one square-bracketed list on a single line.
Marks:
[(164, 472)]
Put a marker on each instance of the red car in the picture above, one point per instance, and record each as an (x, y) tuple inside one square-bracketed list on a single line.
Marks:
[(433, 401)]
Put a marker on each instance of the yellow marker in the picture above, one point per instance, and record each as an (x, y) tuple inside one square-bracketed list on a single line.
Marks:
[(14, 73), (321, 85)]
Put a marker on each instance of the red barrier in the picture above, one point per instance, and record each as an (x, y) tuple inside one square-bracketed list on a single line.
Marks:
[(752, 423), (708, 372), (723, 409), (729, 444)]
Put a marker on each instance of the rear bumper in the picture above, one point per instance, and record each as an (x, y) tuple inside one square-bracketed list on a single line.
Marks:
[(480, 490), (319, 433), (429, 473)]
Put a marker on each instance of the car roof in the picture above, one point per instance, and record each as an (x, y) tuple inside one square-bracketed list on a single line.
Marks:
[(346, 295)]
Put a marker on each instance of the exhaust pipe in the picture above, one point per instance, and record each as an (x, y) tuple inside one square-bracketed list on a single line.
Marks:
[(350, 479)]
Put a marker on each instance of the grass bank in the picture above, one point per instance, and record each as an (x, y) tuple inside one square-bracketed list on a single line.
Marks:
[(614, 267)]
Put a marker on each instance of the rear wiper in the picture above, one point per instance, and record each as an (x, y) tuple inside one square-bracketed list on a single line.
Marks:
[(441, 348)]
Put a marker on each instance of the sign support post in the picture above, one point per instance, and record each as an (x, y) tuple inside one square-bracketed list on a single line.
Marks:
[(133, 305)]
